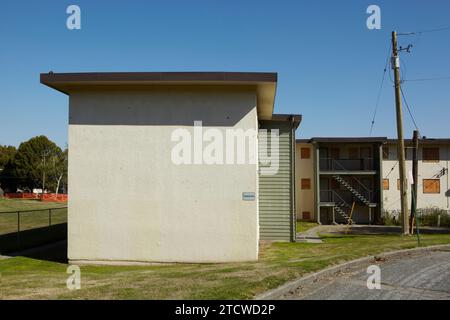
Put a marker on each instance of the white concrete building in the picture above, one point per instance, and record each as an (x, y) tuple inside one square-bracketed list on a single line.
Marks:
[(433, 182), (129, 201), (332, 173)]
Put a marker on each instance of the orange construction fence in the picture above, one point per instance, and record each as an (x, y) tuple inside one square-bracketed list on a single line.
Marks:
[(51, 197)]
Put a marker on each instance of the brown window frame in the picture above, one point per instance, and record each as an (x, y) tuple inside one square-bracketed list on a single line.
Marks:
[(385, 186), (306, 213), (305, 184), (432, 180), (305, 153)]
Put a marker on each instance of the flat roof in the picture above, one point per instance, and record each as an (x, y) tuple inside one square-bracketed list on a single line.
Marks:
[(344, 140), (371, 140), (422, 141), (264, 82), (295, 118)]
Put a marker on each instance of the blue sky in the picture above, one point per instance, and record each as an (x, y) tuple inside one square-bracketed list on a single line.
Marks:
[(329, 64)]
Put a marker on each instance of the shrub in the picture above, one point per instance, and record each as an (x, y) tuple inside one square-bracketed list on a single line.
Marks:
[(427, 217), (430, 217), (390, 218)]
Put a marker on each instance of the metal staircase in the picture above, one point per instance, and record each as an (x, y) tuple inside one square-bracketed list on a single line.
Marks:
[(358, 195), (342, 207), (338, 209)]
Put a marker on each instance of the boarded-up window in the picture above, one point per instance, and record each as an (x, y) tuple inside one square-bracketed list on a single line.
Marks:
[(430, 154), (385, 152), (385, 184), (305, 153), (398, 183), (353, 153), (431, 186), (306, 184), (306, 215)]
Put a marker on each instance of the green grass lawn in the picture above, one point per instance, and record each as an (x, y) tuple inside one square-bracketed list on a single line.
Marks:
[(29, 220), (303, 226), (20, 204), (279, 262)]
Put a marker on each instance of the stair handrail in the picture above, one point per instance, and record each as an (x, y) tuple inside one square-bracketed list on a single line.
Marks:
[(360, 183), (342, 200)]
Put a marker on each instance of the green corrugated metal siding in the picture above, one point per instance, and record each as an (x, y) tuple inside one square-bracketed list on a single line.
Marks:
[(275, 192)]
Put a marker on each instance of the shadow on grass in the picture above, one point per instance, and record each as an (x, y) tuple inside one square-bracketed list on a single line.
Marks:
[(40, 243), (54, 252)]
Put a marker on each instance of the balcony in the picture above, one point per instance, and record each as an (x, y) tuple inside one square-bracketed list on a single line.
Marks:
[(350, 166), (337, 196)]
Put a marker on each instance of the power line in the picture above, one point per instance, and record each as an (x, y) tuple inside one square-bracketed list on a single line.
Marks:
[(409, 109), (424, 31), (427, 79), (380, 91), (392, 169)]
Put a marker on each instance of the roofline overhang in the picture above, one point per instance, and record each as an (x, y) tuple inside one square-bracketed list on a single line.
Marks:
[(380, 140), (423, 141), (265, 83), (295, 119)]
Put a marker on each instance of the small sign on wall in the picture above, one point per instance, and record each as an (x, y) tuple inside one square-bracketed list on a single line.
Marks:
[(248, 196)]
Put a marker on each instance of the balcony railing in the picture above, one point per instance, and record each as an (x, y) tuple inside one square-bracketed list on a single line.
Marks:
[(345, 196), (362, 164)]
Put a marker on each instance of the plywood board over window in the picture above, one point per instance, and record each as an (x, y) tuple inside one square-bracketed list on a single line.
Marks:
[(430, 154), (385, 184), (431, 186), (306, 184), (305, 153)]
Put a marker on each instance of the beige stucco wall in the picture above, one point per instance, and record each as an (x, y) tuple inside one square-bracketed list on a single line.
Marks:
[(129, 202), (391, 197), (304, 169)]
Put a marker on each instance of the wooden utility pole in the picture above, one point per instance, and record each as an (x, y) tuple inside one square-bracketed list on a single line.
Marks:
[(415, 173), (401, 142)]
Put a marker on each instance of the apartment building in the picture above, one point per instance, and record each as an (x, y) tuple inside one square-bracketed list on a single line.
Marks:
[(131, 202), (341, 177), (433, 180)]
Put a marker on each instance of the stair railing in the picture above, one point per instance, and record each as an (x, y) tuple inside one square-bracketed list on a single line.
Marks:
[(356, 179)]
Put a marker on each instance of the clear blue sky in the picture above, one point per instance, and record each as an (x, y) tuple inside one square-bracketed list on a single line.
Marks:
[(329, 64)]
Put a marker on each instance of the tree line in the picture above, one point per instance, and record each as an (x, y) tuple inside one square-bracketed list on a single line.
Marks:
[(37, 164)]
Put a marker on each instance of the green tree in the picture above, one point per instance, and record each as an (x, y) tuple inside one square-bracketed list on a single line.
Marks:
[(59, 170), (36, 164), (6, 154)]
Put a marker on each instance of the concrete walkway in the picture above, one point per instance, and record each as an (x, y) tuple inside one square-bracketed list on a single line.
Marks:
[(309, 236), (312, 235)]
